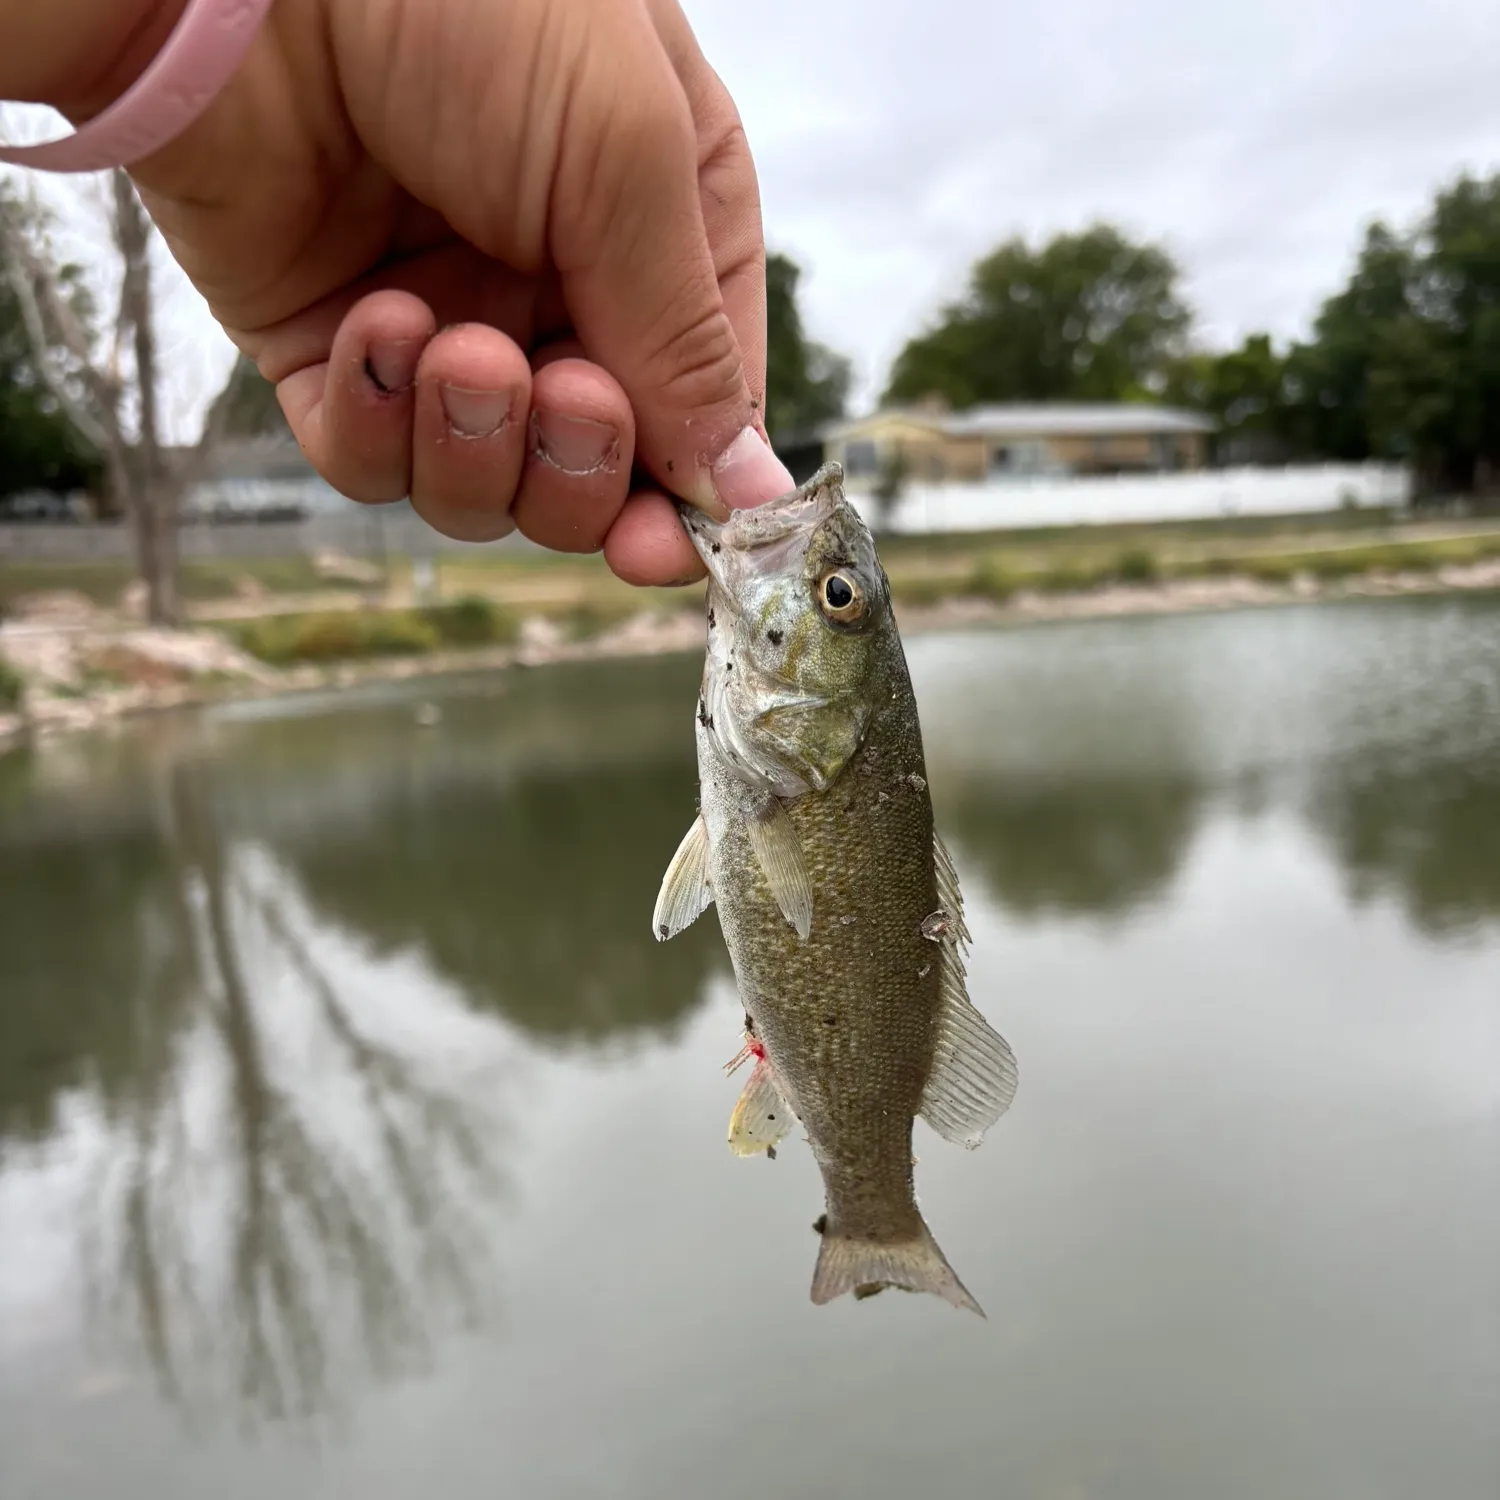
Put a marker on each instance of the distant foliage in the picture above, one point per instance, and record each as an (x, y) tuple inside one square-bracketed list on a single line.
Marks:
[(807, 384), (250, 405), (1403, 363), (1085, 317), (40, 449)]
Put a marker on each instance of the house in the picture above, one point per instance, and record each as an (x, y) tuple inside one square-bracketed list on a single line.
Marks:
[(1018, 440)]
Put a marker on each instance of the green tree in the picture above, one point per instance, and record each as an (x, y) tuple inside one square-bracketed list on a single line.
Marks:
[(1342, 382), (806, 383), (39, 447), (1404, 363), (1086, 316), (110, 386), (1460, 296), (247, 404), (1243, 390)]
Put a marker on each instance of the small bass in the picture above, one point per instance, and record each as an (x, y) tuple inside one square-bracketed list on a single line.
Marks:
[(839, 905)]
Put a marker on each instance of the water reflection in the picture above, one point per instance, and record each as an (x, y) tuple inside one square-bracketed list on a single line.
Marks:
[(299, 1154), (1427, 835), (1100, 847), (269, 978), (535, 897), (285, 1187), (98, 973)]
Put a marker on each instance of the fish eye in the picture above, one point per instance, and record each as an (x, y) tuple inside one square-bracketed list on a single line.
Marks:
[(841, 597)]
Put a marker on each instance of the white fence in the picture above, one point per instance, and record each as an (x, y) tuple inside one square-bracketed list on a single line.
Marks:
[(1205, 495), (369, 532), (360, 532)]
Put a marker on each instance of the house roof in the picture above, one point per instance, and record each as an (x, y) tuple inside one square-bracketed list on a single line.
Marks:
[(1060, 419)]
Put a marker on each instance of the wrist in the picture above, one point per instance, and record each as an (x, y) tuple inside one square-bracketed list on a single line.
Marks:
[(79, 56)]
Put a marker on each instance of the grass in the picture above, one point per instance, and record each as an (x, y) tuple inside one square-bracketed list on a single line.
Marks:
[(999, 575), (200, 581), (349, 635)]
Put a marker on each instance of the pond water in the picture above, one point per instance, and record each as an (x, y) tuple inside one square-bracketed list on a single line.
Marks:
[(357, 1140)]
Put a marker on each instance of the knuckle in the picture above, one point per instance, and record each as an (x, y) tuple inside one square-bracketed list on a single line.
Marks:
[(697, 363)]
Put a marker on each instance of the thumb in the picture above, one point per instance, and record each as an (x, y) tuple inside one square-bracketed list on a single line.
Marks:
[(642, 287)]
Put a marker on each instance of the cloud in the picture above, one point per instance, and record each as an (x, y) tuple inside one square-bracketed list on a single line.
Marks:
[(896, 143)]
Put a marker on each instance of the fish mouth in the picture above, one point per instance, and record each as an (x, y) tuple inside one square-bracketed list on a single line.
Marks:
[(762, 540)]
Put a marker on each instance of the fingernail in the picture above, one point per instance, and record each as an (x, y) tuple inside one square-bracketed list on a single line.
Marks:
[(392, 366), (474, 414), (575, 445), (747, 473)]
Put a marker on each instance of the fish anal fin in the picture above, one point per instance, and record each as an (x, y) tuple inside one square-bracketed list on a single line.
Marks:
[(778, 851), (685, 891), (864, 1267), (761, 1118)]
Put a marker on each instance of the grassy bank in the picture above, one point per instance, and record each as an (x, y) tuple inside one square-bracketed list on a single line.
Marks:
[(284, 612), (998, 574), (581, 605), (200, 581)]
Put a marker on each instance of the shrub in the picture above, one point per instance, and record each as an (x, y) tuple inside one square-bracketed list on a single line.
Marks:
[(1137, 566), (12, 688), (584, 621), (336, 635), (1069, 578), (1271, 569), (991, 579), (471, 621)]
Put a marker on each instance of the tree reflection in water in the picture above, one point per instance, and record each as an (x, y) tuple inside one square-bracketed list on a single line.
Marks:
[(1103, 847), (265, 1200), (1426, 834)]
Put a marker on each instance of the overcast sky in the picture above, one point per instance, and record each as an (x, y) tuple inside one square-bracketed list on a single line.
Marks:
[(896, 142)]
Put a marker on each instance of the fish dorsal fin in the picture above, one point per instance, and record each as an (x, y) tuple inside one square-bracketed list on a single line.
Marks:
[(685, 892), (779, 853), (974, 1075), (761, 1117)]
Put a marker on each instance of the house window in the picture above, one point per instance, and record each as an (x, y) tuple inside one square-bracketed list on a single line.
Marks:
[(1000, 460), (861, 460)]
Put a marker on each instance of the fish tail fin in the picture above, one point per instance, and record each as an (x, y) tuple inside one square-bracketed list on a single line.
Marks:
[(865, 1267)]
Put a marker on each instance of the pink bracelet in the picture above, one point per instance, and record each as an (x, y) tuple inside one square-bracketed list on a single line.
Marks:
[(205, 48)]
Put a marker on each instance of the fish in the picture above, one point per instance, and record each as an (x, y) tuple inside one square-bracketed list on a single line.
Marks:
[(838, 901)]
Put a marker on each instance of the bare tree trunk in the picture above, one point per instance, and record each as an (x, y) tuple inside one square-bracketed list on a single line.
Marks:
[(90, 389), (153, 491)]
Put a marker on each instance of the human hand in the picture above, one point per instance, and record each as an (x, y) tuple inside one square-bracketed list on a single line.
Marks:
[(493, 253)]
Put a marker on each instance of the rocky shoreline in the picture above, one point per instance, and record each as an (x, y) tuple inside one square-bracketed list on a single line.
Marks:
[(71, 668)]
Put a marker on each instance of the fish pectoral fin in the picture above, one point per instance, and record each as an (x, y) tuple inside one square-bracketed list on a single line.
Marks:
[(974, 1074), (779, 853), (762, 1117), (685, 891)]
